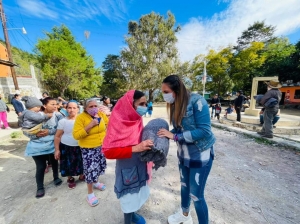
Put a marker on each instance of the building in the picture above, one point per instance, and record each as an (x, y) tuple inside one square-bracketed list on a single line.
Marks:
[(4, 69), (290, 94)]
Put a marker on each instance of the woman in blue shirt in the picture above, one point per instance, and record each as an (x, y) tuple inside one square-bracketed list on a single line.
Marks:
[(189, 114)]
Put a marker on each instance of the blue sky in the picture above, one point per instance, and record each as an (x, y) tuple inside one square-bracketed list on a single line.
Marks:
[(205, 24)]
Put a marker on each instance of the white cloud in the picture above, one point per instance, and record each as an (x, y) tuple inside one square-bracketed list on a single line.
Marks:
[(114, 10), (223, 28), (38, 9)]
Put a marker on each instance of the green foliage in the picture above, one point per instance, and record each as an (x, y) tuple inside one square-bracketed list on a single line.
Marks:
[(66, 66), (16, 134), (246, 65), (258, 32), (279, 59), (151, 53), (113, 79), (23, 59)]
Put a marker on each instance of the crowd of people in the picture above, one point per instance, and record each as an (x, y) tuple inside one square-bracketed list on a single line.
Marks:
[(76, 144)]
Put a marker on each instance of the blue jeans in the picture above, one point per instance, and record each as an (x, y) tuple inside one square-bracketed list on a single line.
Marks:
[(261, 119), (213, 108), (193, 182)]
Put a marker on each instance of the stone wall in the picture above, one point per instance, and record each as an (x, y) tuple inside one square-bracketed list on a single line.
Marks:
[(27, 86)]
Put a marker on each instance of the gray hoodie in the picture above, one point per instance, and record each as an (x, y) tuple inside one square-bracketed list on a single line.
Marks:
[(29, 119)]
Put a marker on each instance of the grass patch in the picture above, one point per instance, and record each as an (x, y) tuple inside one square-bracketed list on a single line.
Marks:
[(16, 134), (263, 141)]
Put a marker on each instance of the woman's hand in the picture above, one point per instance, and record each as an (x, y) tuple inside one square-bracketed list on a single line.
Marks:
[(57, 154), (43, 133), (165, 133), (143, 146), (94, 122)]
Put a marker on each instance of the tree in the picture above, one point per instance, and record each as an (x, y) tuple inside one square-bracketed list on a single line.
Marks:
[(113, 79), (258, 32), (66, 66), (246, 65), (218, 68), (151, 53), (279, 60)]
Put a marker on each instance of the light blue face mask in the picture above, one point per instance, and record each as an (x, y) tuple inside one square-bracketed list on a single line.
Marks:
[(141, 110)]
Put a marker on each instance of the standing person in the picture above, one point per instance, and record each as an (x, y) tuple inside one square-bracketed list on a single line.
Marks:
[(67, 150), (218, 111), (90, 129), (214, 101), (41, 147), (123, 142), (238, 103), (63, 110), (106, 106), (189, 114), (150, 108), (18, 105), (270, 101), (3, 114)]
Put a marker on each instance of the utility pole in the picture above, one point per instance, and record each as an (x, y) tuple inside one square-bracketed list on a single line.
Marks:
[(8, 48)]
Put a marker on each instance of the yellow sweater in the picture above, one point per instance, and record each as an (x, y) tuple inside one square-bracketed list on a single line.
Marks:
[(95, 136)]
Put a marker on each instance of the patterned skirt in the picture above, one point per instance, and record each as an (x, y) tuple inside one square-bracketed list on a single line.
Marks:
[(70, 160), (94, 164)]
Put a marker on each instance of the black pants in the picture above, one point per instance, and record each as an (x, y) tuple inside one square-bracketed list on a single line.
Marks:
[(40, 162), (238, 113)]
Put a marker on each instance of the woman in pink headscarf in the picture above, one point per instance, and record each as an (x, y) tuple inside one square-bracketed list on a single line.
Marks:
[(123, 142)]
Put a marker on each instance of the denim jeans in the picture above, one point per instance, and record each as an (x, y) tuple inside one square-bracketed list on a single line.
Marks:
[(269, 115), (275, 120), (213, 109), (193, 182)]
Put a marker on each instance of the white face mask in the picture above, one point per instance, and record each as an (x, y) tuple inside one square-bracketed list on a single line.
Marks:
[(168, 97)]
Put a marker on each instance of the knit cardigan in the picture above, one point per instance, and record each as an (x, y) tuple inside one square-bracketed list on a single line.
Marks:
[(158, 153)]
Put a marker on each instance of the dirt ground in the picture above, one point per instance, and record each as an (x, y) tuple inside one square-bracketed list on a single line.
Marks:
[(249, 183)]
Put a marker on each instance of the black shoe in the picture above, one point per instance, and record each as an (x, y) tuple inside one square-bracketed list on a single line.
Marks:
[(261, 133), (40, 193), (57, 181), (274, 126), (260, 124)]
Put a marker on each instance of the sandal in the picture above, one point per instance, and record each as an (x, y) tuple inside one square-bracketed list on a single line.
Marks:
[(40, 193), (71, 183), (81, 178), (57, 181), (100, 187), (93, 201)]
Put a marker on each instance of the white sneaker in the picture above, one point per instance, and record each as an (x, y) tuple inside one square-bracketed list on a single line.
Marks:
[(179, 218)]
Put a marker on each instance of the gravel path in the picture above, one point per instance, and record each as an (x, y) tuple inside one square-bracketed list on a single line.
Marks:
[(249, 183)]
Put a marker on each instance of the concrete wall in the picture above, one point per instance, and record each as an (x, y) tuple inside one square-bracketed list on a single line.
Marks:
[(28, 87)]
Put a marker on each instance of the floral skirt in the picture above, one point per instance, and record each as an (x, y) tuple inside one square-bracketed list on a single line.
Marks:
[(94, 164), (70, 160)]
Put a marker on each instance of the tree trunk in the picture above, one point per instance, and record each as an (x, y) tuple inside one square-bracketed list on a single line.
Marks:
[(151, 95)]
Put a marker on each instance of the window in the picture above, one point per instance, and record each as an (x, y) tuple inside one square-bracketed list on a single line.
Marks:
[(297, 94)]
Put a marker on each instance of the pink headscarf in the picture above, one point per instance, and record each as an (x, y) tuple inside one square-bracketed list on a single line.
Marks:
[(125, 124)]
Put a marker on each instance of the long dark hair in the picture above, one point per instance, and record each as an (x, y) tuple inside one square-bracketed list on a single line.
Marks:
[(46, 101), (182, 95)]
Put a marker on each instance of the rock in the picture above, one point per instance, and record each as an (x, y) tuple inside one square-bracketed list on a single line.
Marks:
[(7, 197), (170, 184)]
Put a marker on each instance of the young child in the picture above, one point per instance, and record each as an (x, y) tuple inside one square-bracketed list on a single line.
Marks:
[(31, 119), (218, 111), (229, 110), (150, 108)]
